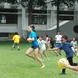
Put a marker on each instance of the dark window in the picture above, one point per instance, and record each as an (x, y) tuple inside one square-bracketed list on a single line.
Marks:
[(3, 34), (8, 16), (66, 15), (39, 17)]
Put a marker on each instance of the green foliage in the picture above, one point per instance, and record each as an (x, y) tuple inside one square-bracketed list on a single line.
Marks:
[(24, 2), (33, 2), (66, 2), (9, 1)]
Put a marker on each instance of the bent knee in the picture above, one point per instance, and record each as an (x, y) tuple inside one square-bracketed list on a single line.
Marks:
[(26, 54)]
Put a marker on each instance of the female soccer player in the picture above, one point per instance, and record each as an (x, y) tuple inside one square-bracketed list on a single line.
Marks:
[(34, 46), (42, 46)]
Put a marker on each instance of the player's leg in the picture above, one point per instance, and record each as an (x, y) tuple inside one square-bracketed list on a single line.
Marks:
[(70, 59), (40, 53), (28, 53), (46, 55), (13, 46), (17, 46), (37, 57)]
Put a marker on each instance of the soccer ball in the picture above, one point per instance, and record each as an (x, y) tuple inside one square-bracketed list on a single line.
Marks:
[(61, 61), (29, 40)]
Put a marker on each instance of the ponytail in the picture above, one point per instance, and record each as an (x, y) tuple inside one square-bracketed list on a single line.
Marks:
[(33, 28)]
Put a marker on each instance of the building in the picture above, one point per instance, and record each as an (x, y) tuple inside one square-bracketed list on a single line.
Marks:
[(14, 18)]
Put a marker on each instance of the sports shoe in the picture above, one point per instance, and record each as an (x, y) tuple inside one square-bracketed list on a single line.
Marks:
[(18, 49), (42, 59), (43, 66), (48, 58), (62, 74)]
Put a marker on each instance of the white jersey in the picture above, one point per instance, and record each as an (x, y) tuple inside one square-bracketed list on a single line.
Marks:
[(42, 45), (58, 38), (74, 43)]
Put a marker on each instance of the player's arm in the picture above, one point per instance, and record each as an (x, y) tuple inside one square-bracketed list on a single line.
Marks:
[(32, 39), (54, 49), (74, 68)]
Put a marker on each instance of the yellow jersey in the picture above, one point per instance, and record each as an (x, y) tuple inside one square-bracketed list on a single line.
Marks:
[(16, 38)]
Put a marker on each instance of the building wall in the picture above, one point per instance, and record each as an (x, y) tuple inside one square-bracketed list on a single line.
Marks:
[(8, 28), (66, 29), (21, 27)]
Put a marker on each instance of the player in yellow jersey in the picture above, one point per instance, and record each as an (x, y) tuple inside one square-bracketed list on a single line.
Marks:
[(16, 40)]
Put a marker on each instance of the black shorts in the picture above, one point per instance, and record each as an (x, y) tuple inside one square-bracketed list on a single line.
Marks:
[(34, 47)]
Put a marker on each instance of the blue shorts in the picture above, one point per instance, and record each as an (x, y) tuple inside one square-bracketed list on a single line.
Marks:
[(58, 45), (15, 44), (34, 47)]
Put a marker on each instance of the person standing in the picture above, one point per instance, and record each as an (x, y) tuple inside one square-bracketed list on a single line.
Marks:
[(58, 41), (34, 45), (16, 40), (74, 43)]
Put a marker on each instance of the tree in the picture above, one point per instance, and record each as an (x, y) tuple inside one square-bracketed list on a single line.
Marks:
[(31, 4), (9, 1)]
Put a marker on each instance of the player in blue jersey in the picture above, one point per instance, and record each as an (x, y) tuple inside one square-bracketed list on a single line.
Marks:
[(34, 46), (68, 51)]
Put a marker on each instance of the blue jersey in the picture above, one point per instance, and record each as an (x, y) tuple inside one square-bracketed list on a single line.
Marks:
[(34, 35), (67, 48)]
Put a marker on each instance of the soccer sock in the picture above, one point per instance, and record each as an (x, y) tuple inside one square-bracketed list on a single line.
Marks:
[(63, 70)]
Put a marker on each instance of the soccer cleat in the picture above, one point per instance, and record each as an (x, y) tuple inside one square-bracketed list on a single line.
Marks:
[(43, 66), (62, 74), (18, 49)]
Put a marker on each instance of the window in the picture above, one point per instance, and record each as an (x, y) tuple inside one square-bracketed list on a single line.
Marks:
[(39, 17), (66, 15), (3, 34), (8, 16)]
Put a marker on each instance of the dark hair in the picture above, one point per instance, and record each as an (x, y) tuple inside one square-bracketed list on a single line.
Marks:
[(65, 37), (33, 27), (16, 33), (37, 37), (46, 35)]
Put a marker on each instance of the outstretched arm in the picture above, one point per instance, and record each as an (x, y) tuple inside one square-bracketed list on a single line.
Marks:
[(74, 68)]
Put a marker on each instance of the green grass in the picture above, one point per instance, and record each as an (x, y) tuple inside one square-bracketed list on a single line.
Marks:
[(15, 64)]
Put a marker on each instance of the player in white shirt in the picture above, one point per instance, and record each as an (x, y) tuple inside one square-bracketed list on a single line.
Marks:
[(42, 46), (74, 43), (58, 40)]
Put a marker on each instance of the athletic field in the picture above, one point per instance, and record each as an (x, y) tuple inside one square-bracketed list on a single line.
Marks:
[(15, 64)]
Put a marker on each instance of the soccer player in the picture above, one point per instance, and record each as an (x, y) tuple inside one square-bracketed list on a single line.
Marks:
[(42, 46), (74, 43), (34, 46), (16, 39), (68, 51), (58, 41)]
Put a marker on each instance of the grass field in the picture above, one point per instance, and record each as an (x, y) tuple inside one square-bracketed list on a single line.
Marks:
[(15, 64)]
